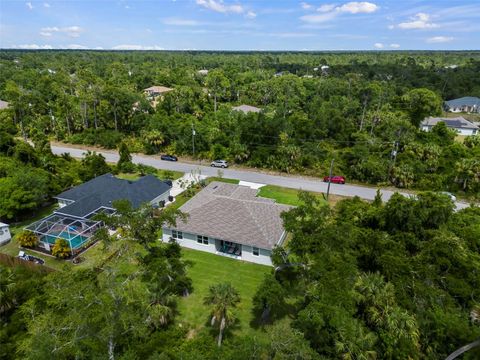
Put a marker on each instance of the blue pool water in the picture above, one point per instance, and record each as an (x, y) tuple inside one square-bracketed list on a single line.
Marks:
[(77, 241)]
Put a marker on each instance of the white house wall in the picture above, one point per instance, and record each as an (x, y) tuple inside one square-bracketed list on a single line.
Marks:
[(190, 241), (5, 235), (263, 257)]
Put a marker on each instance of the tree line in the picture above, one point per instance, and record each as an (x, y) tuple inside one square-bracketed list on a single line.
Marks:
[(364, 110)]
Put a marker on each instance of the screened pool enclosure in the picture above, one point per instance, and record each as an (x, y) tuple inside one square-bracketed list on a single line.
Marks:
[(75, 231)]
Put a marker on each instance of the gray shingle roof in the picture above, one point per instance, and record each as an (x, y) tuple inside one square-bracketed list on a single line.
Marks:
[(246, 109), (105, 189), (456, 123), (463, 101), (233, 213)]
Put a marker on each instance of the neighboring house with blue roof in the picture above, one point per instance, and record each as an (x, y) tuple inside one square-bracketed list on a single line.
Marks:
[(468, 104), (73, 220), (459, 124)]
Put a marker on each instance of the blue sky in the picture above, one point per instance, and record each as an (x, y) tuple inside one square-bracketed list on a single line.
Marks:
[(241, 25)]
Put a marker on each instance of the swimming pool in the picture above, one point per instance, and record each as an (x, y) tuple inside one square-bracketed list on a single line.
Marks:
[(76, 240)]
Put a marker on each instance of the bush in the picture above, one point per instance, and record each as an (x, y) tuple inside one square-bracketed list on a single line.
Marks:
[(27, 239), (61, 249)]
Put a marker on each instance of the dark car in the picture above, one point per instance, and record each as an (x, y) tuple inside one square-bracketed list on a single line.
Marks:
[(334, 179), (168, 157), (26, 257)]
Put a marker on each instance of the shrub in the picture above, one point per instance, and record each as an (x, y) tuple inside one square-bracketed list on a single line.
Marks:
[(27, 239), (61, 249)]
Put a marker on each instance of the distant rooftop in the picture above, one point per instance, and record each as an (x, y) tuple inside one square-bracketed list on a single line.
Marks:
[(103, 190), (457, 122), (234, 213), (3, 104), (246, 109), (158, 89), (464, 101)]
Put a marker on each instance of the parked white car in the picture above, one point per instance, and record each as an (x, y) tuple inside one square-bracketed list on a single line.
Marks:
[(219, 163), (450, 195)]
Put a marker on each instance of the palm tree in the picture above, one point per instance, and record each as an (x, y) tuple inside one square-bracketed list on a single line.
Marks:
[(223, 297)]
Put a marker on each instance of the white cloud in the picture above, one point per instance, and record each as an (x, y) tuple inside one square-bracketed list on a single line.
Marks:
[(71, 31), (395, 46), (378, 46), (326, 7), (136, 47), (76, 47), (220, 6), (305, 5), (391, 27), (418, 21), (47, 5), (331, 11), (439, 39), (251, 15), (319, 18), (180, 22), (356, 7), (29, 5), (32, 47)]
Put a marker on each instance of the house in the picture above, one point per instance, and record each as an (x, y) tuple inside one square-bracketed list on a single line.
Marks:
[(3, 105), (246, 109), (155, 91), (5, 235), (461, 125), (230, 220), (74, 219), (202, 72), (467, 104)]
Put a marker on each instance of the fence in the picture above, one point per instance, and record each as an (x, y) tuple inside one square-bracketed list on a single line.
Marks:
[(12, 261)]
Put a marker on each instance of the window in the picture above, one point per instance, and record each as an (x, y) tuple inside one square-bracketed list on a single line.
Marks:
[(177, 234), (202, 239), (256, 251)]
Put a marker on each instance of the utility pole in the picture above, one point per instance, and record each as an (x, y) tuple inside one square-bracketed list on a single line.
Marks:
[(193, 140), (393, 154), (330, 178)]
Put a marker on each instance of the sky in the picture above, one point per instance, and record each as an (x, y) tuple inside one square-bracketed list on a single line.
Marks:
[(241, 25)]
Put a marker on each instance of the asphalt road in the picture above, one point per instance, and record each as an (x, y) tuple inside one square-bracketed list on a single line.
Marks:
[(294, 182)]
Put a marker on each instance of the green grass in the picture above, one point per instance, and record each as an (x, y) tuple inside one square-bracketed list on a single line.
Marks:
[(289, 196), (221, 179), (209, 269), (161, 174), (283, 195)]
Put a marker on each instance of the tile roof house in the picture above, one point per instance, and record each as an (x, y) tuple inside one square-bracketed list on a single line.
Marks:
[(246, 109), (461, 125), (230, 220), (467, 104), (73, 220), (154, 91)]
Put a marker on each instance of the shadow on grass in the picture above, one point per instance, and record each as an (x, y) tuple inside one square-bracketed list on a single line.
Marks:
[(265, 316)]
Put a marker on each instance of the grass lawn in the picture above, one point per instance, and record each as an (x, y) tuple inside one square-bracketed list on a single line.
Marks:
[(289, 196), (161, 174), (215, 178), (209, 269)]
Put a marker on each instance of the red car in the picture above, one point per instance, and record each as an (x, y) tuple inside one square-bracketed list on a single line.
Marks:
[(335, 179)]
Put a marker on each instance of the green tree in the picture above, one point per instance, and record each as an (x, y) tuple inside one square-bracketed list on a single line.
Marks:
[(61, 249), (93, 165), (125, 161), (27, 239), (421, 103), (222, 298)]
